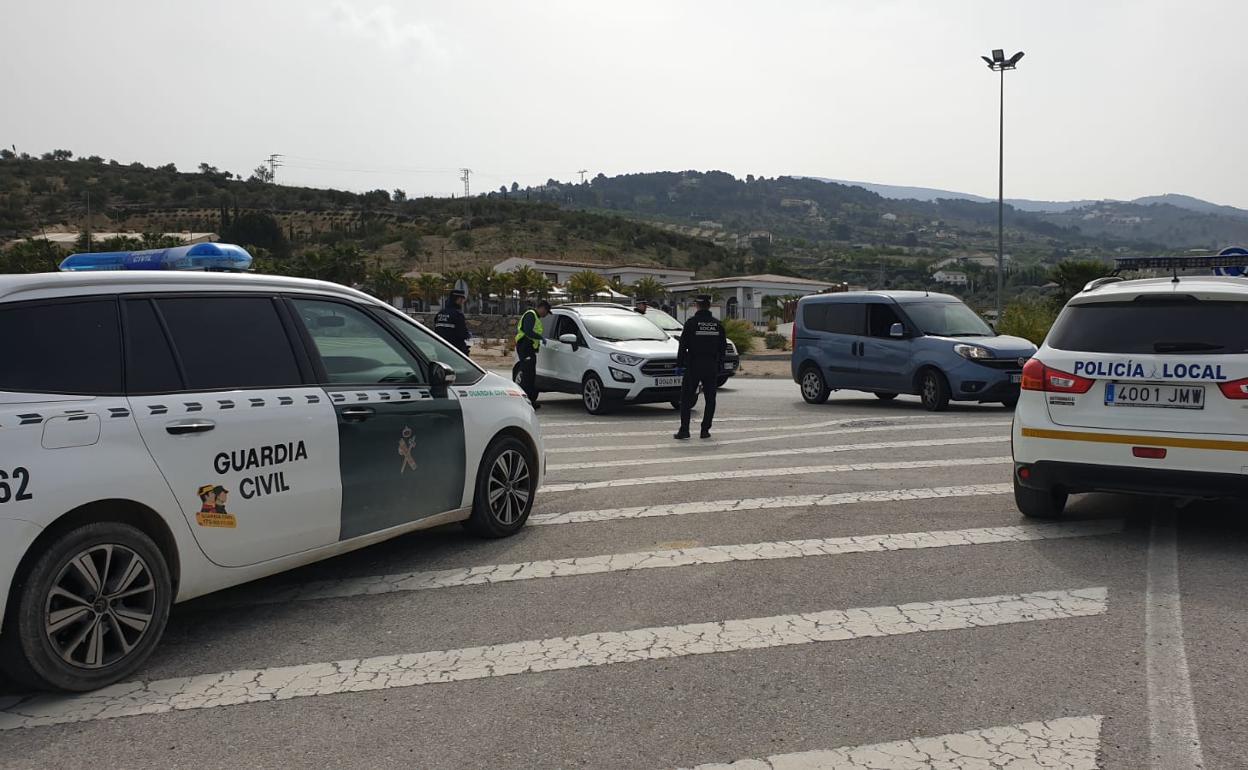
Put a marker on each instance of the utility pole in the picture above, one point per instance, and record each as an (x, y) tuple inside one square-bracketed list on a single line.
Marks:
[(464, 173), (274, 162), (583, 172)]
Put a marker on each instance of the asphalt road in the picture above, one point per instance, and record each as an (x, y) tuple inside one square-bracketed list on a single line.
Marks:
[(841, 586)]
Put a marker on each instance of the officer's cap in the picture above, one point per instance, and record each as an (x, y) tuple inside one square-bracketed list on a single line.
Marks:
[(457, 293), (703, 299)]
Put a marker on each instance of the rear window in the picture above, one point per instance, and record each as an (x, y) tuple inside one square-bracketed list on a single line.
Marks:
[(61, 347), (834, 317), (1153, 327)]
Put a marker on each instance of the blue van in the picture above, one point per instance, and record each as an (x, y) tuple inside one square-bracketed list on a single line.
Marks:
[(891, 342)]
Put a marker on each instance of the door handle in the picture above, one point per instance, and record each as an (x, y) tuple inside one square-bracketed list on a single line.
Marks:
[(184, 427), (357, 413)]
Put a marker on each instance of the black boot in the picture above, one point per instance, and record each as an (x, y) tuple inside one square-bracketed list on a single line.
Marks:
[(683, 433), (706, 433)]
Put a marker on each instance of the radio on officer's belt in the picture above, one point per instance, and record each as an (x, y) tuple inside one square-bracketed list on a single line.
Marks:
[(210, 257)]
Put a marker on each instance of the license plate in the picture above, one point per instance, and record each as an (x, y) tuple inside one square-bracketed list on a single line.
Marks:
[(728, 366), (667, 382), (1016, 378), (1155, 396)]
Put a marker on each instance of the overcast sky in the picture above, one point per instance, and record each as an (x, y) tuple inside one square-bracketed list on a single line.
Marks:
[(1115, 98)]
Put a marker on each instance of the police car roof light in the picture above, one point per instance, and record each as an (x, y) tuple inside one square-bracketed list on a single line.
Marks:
[(224, 257), (1179, 263)]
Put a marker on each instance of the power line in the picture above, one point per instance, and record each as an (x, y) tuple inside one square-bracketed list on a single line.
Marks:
[(464, 174), (273, 165), (583, 172)]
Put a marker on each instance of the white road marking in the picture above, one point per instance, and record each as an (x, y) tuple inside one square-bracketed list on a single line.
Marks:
[(1069, 743), (667, 421), (806, 450), (559, 653), (667, 558), (794, 432), (1173, 735), (764, 503), (797, 427), (758, 473)]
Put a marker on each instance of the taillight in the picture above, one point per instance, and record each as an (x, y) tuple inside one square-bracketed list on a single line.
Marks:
[(1037, 376), (1236, 389)]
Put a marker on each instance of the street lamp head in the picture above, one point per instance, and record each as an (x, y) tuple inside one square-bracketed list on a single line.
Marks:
[(987, 61), (1014, 59), (998, 55)]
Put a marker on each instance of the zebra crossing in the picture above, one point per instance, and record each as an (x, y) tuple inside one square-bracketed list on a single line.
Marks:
[(672, 579)]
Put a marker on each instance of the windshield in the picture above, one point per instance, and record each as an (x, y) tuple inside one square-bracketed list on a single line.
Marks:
[(947, 319), (1171, 326), (663, 320), (618, 327)]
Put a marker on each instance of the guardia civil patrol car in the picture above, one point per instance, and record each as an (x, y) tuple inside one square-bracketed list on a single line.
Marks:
[(164, 434), (1140, 387)]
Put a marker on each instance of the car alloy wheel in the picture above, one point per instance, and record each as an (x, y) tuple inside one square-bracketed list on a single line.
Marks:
[(100, 606), (509, 488), (592, 394), (812, 386)]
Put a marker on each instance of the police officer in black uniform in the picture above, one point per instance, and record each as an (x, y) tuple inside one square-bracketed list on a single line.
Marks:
[(641, 305), (450, 323), (701, 357)]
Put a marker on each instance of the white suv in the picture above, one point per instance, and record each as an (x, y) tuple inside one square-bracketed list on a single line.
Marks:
[(1140, 387), (607, 354), (166, 434)]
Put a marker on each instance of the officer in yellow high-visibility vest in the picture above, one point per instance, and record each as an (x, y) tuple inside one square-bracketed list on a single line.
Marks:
[(528, 340)]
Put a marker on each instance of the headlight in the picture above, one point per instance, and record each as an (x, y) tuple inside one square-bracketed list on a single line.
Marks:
[(627, 360), (732, 348), (973, 352)]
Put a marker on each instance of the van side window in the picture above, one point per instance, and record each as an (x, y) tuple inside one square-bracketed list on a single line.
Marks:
[(61, 347), (230, 342), (880, 317), (833, 317)]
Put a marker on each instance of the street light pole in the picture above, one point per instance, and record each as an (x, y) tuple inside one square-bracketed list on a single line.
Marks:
[(998, 63)]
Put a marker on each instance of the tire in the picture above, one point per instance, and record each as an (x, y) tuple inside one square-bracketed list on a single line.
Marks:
[(934, 390), (814, 386), (1010, 402), (1039, 503), (676, 405), (594, 395), (721, 382), (101, 581), (506, 473), (515, 375), (886, 396)]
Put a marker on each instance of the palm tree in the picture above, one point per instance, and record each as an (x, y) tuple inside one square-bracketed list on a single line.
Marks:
[(526, 280), (387, 283), (430, 287), (617, 285), (503, 284), (542, 286), (648, 287), (585, 284), (481, 281)]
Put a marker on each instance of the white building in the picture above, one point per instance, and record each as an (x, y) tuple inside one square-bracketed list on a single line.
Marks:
[(560, 271), (951, 277), (742, 296)]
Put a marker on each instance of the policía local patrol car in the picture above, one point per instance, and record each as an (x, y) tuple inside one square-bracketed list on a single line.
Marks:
[(1141, 386), (164, 434)]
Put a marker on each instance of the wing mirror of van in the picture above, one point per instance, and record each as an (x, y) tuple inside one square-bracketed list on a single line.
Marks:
[(897, 330), (568, 339)]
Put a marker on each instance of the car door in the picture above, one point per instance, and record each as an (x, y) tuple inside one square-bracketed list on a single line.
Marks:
[(224, 399), (884, 360), (836, 330), (401, 442), (564, 363)]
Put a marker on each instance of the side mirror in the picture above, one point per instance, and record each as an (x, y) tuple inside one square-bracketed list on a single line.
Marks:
[(441, 375), (568, 339), (896, 330)]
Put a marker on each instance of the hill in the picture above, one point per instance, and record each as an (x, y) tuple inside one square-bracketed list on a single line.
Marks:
[(308, 231)]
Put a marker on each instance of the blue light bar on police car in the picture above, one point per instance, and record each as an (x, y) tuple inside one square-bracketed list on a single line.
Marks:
[(199, 256)]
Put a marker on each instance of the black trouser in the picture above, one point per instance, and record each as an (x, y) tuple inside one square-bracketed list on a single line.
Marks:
[(528, 370), (704, 372)]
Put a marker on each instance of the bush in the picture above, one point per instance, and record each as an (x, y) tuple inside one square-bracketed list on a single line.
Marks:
[(1029, 318), (741, 332), (775, 341)]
